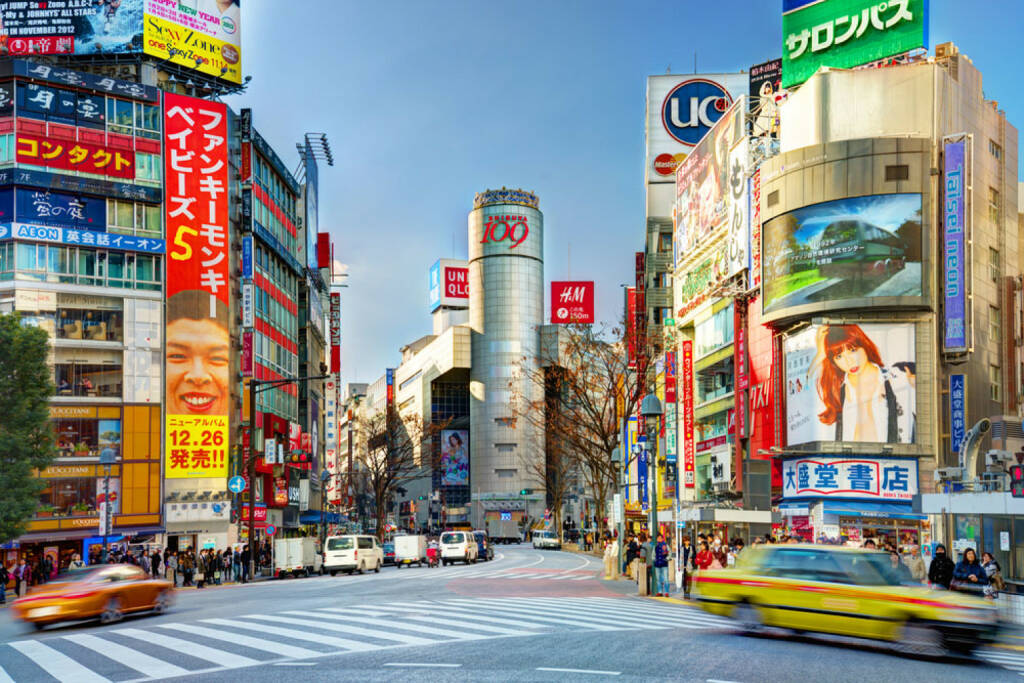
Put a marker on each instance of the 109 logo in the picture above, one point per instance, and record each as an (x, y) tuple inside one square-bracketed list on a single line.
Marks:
[(499, 228)]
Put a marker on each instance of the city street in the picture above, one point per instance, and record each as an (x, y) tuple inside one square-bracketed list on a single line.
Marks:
[(527, 615)]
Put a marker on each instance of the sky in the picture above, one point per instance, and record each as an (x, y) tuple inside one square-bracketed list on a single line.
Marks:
[(427, 103)]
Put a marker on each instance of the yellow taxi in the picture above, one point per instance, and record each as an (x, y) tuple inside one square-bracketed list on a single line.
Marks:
[(107, 592), (844, 591)]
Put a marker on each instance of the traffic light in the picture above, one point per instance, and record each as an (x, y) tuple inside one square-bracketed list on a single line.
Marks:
[(525, 492), (421, 498), (1017, 481)]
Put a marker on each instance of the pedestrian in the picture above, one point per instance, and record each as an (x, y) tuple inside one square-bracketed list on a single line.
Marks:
[(229, 564), (940, 572), (76, 562), (201, 568), (870, 544), (632, 551), (4, 578), (968, 575), (992, 569), (611, 555), (704, 558), (661, 586), (144, 562), (899, 571), (915, 563), (155, 563), (187, 565), (22, 573), (171, 566), (686, 558), (47, 571), (720, 555), (246, 561)]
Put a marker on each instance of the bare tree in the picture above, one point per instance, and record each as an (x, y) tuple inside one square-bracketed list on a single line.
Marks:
[(399, 450), (590, 387)]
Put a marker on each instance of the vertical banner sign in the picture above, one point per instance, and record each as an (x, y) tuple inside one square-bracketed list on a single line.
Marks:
[(689, 459), (955, 331), (755, 229), (335, 332), (631, 325), (247, 355), (640, 331), (957, 412), (198, 288), (247, 304), (739, 312), (671, 419), (247, 257), (245, 133), (641, 472)]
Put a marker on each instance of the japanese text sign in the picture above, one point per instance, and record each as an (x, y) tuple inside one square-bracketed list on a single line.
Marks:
[(954, 281), (335, 332), (198, 344), (46, 233), (63, 210), (572, 302), (863, 478), (848, 33), (689, 447), (957, 411), (70, 155)]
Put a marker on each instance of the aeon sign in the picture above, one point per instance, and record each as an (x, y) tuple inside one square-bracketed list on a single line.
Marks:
[(691, 108), (513, 229)]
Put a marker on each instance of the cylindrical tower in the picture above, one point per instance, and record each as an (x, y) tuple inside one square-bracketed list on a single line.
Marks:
[(506, 309)]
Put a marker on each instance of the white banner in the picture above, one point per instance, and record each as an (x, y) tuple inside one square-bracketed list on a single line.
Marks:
[(893, 479)]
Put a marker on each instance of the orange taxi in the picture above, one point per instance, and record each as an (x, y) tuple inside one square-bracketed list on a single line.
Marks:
[(107, 592)]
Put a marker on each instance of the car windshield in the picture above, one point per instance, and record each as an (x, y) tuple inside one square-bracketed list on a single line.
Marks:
[(869, 569), (453, 538), (545, 534), (339, 544), (74, 575), (389, 547)]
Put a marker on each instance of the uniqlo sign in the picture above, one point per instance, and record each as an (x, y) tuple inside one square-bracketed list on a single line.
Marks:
[(572, 302), (198, 288), (335, 332), (456, 282)]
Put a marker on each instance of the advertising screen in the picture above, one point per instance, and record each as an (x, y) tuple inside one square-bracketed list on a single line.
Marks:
[(851, 383), (204, 35), (454, 457), (844, 249), (71, 27), (198, 342), (847, 33)]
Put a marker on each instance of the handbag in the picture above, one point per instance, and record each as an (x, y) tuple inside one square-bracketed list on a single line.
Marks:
[(216, 575), (200, 576)]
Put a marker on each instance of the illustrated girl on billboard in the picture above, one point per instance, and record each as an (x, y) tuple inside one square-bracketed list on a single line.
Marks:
[(865, 399)]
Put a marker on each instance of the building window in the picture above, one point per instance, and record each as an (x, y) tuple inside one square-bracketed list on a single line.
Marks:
[(82, 377), (995, 332), (69, 497), (80, 438), (897, 172), (119, 116), (993, 205), (6, 148), (994, 149), (131, 218), (993, 264), (147, 120), (995, 381), (94, 325), (147, 166)]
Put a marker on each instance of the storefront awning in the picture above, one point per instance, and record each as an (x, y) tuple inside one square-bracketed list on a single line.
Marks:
[(869, 509), (313, 517)]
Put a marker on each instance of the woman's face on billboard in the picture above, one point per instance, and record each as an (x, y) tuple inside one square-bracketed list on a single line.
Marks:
[(198, 377), (850, 359)]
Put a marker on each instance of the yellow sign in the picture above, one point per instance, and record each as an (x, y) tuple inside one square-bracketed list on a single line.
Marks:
[(190, 48), (72, 471), (72, 411), (197, 446)]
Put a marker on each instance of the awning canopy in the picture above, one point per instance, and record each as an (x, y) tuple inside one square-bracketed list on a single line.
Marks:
[(313, 517), (871, 509)]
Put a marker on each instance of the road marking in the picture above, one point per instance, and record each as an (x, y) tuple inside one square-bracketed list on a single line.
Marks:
[(221, 658), (718, 680), (597, 615), (431, 664), (586, 561), (56, 663), (579, 671), (295, 664), (618, 616), (133, 659), (455, 635), (465, 614), (529, 612), (4, 678), (247, 641), (341, 643)]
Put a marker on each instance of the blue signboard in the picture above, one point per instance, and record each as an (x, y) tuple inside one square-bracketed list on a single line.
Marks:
[(43, 207), (641, 474), (247, 257), (954, 281), (90, 238), (312, 218), (692, 108), (435, 286), (957, 411), (79, 184)]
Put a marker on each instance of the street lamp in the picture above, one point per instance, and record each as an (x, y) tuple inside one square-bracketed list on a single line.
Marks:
[(650, 410), (107, 458), (324, 476), (618, 463)]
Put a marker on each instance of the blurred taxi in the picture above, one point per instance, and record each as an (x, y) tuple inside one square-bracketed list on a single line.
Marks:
[(845, 591), (107, 592)]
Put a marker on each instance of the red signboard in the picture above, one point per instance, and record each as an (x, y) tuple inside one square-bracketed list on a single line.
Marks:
[(70, 155), (755, 229), (742, 382), (323, 250), (572, 302), (765, 413), (247, 353), (198, 286), (631, 325), (261, 513), (246, 171), (670, 377), (456, 282), (689, 456), (335, 332)]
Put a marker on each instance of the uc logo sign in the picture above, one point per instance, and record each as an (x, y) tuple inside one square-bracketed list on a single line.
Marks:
[(691, 108)]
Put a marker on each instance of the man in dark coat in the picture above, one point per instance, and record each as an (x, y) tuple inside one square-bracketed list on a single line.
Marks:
[(940, 572)]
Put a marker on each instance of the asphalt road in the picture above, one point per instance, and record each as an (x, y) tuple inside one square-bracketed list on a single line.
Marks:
[(526, 616)]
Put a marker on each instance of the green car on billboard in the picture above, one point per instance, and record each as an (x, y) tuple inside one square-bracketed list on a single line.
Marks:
[(847, 33)]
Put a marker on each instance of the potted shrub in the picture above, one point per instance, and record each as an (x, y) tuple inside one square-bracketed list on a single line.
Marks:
[(45, 511), (81, 448), (80, 509)]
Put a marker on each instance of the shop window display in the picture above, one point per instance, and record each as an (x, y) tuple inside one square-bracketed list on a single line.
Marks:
[(86, 437), (77, 323), (87, 379)]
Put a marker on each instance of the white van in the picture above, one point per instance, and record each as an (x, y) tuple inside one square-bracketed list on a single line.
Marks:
[(352, 554), (458, 545)]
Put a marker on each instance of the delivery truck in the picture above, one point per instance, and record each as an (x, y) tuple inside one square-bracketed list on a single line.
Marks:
[(503, 531), (411, 549), (296, 557)]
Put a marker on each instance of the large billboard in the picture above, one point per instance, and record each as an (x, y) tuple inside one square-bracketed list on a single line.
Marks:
[(852, 383), (847, 33), (198, 341), (311, 192), (954, 335), (71, 27), (879, 479), (766, 93), (454, 457), (572, 302), (680, 111), (861, 247), (449, 284), (204, 35)]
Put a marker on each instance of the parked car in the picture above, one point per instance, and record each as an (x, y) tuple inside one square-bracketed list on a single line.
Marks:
[(353, 553), (389, 553), (458, 546), (485, 551), (542, 538), (845, 591), (107, 592)]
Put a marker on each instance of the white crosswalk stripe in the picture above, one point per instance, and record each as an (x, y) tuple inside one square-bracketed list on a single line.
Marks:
[(1013, 661), (217, 644)]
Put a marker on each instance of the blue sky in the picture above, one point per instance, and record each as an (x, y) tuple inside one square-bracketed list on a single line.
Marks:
[(428, 103)]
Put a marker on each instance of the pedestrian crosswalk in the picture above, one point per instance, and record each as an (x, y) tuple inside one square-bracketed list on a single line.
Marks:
[(477, 572), (1007, 659), (165, 649)]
